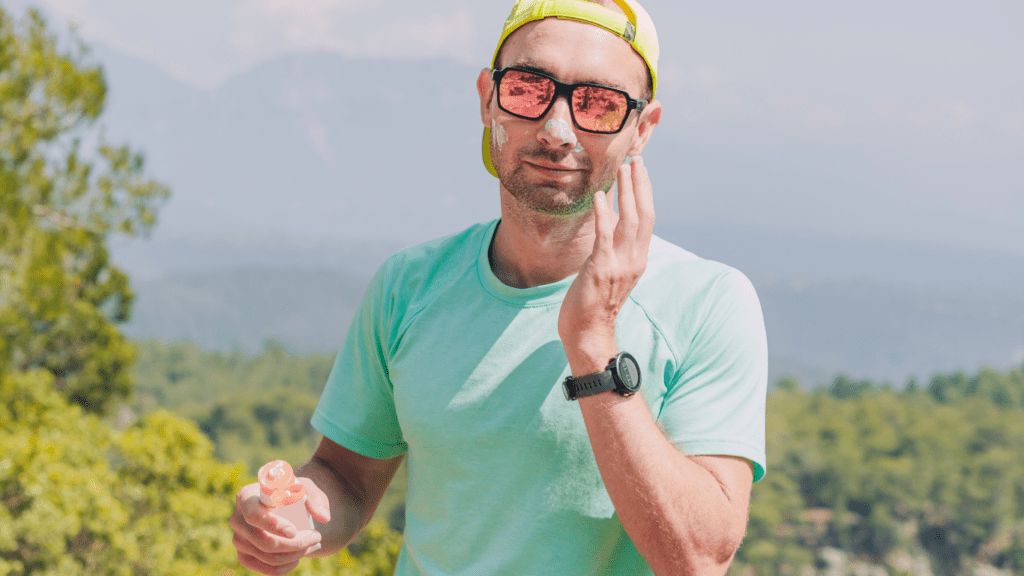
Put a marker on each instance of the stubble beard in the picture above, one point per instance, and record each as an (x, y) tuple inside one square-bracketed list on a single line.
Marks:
[(556, 200)]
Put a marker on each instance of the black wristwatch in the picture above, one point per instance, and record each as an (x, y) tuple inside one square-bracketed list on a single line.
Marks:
[(622, 375)]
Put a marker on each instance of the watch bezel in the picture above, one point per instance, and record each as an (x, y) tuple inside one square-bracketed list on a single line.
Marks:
[(619, 366)]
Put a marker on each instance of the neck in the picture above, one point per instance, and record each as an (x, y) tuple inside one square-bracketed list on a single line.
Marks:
[(532, 249)]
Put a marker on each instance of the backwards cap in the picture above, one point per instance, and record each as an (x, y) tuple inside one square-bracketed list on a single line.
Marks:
[(635, 27)]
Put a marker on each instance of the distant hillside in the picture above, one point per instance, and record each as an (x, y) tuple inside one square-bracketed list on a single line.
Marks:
[(318, 162), (315, 145), (815, 330), (888, 333), (306, 310)]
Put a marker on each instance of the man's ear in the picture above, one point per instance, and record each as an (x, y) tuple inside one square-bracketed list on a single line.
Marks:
[(649, 119), (485, 88)]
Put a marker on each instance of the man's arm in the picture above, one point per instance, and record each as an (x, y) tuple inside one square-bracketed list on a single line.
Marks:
[(343, 489), (685, 515), (354, 485)]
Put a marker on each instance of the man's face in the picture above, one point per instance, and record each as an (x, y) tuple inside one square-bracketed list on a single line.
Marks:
[(549, 164)]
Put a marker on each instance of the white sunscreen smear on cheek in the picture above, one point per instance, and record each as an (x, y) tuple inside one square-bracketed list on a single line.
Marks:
[(498, 134)]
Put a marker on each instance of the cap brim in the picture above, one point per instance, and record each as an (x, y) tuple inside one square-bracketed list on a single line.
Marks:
[(488, 162)]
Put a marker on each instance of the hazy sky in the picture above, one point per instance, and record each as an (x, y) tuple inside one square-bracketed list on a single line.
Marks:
[(934, 82), (938, 77)]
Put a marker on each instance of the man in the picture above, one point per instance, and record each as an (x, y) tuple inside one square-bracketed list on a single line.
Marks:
[(494, 358)]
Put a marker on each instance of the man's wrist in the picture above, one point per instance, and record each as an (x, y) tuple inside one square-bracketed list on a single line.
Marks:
[(591, 356)]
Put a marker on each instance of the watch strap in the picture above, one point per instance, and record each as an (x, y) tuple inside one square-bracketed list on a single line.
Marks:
[(589, 385)]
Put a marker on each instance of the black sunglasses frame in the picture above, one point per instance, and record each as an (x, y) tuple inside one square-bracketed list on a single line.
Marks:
[(563, 89)]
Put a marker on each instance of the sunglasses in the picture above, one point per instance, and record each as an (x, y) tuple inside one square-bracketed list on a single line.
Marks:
[(594, 108)]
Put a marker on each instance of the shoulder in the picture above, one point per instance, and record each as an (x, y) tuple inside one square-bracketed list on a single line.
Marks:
[(435, 260), (677, 280), (413, 277)]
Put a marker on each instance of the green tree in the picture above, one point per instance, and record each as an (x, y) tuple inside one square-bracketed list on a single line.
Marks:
[(60, 296), (258, 427), (182, 378), (80, 498), (843, 387), (881, 474), (76, 496)]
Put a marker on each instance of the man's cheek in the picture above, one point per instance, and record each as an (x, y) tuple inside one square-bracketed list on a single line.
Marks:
[(499, 137), (605, 179)]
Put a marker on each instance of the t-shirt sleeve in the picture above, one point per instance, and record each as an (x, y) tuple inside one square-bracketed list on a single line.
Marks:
[(716, 402), (357, 407)]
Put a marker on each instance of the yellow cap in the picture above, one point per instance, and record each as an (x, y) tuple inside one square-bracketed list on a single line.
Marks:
[(635, 27)]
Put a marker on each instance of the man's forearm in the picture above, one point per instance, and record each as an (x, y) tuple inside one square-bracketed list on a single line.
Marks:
[(349, 510), (679, 515)]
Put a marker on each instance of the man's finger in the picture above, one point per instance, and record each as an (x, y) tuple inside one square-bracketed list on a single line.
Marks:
[(258, 538), (295, 551), (644, 193), (627, 202), (316, 501), (604, 224), (256, 565), (259, 516)]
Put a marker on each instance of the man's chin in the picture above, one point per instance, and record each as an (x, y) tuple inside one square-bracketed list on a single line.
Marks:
[(567, 211), (555, 202)]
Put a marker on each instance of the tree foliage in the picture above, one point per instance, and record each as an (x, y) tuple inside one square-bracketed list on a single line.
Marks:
[(77, 496), (1006, 390), (889, 476), (80, 498), (254, 408), (183, 378), (63, 192)]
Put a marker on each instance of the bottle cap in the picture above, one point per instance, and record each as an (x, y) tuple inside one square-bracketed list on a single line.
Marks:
[(278, 486)]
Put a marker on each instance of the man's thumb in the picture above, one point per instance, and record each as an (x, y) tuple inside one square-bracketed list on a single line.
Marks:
[(316, 501)]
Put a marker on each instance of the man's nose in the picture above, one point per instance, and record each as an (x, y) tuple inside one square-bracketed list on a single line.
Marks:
[(557, 131)]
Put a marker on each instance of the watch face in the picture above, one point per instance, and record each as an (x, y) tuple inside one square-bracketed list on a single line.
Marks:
[(565, 389), (628, 372)]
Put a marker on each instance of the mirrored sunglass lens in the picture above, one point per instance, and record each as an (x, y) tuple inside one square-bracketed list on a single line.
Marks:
[(599, 109), (525, 94)]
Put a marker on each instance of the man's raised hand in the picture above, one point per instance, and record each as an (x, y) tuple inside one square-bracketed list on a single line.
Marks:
[(586, 322)]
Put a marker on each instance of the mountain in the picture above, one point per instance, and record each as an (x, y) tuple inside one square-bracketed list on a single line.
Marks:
[(322, 147), (815, 329), (311, 168), (887, 333), (317, 149), (312, 146), (306, 310)]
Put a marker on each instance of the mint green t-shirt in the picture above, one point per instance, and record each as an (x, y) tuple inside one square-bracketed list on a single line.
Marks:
[(464, 373)]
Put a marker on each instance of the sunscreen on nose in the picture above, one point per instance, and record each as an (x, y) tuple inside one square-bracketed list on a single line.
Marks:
[(561, 130)]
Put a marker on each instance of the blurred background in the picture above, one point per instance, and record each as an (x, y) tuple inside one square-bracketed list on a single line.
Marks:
[(862, 163)]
